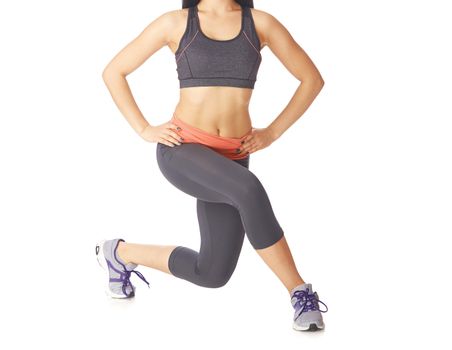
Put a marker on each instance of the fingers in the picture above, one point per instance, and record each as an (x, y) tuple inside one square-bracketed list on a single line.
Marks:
[(247, 138), (173, 136), (248, 146), (172, 126), (170, 137), (165, 142)]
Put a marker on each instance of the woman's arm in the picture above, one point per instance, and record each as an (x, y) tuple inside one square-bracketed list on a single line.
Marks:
[(150, 40), (297, 62)]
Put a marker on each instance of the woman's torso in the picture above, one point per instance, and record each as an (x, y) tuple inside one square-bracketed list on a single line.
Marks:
[(219, 110)]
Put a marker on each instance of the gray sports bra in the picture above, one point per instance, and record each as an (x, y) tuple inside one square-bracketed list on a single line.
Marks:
[(202, 61)]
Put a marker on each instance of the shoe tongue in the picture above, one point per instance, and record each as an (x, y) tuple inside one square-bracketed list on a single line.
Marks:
[(304, 286)]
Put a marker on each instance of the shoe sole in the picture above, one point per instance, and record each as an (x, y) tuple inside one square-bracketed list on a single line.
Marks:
[(103, 263), (311, 327)]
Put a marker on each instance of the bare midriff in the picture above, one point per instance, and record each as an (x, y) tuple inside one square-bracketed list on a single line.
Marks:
[(216, 117)]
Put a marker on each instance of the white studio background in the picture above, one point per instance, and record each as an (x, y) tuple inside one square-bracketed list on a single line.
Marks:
[(361, 183)]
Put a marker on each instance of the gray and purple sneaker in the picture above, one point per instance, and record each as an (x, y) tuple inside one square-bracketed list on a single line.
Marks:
[(306, 304), (118, 273)]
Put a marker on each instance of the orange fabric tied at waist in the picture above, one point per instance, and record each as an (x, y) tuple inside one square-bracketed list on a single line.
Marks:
[(224, 145)]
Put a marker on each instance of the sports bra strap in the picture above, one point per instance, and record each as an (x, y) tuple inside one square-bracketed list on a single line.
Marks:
[(191, 12)]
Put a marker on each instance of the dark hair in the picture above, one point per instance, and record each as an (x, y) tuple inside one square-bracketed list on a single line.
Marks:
[(243, 3)]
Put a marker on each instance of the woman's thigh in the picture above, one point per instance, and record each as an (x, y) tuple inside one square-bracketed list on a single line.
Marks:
[(203, 173)]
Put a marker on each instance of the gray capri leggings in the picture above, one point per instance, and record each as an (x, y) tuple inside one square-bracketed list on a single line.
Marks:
[(230, 201)]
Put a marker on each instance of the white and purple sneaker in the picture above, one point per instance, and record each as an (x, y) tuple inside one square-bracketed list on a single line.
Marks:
[(306, 304), (118, 273)]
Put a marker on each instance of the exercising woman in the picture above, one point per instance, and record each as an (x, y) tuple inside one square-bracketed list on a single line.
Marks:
[(204, 149)]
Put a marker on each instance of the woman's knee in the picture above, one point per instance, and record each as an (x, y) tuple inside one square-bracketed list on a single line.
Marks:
[(184, 263), (261, 225), (216, 280), (219, 273)]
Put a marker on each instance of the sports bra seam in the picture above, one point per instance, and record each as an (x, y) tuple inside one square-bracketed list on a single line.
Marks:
[(252, 69), (219, 78), (186, 46), (188, 63), (251, 43), (242, 87)]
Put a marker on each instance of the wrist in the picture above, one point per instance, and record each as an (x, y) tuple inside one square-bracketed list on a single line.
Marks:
[(273, 132), (141, 132)]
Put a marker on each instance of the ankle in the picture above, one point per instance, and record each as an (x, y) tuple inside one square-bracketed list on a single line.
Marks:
[(295, 284), (121, 252)]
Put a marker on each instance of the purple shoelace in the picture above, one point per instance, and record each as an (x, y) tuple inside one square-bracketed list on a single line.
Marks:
[(306, 302), (124, 277)]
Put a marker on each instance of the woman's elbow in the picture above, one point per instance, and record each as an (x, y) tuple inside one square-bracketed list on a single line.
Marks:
[(107, 73), (318, 80), (315, 81), (110, 73)]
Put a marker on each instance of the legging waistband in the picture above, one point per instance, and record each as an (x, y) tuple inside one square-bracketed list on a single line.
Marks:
[(224, 145)]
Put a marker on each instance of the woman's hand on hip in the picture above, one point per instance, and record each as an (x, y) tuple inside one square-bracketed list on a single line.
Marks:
[(257, 140), (164, 133)]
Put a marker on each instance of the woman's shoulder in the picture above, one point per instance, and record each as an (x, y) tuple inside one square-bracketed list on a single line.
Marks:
[(261, 16), (170, 18)]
